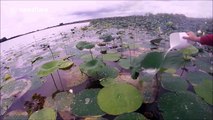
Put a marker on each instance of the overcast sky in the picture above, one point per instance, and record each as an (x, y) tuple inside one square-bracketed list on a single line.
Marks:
[(19, 17)]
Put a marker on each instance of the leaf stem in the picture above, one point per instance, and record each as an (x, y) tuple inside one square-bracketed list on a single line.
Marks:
[(54, 81)]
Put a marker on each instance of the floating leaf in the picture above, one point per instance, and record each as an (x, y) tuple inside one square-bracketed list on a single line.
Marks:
[(156, 41), (125, 63), (65, 64), (107, 72), (92, 67), (204, 64), (152, 60), (119, 98), (184, 106), (173, 83), (173, 60), (107, 81), (85, 103), (36, 59), (130, 116), (84, 45), (86, 57), (111, 57), (15, 88), (44, 114), (197, 77), (48, 68), (205, 90)]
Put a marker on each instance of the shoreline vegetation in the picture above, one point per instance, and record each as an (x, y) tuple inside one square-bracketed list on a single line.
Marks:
[(149, 20)]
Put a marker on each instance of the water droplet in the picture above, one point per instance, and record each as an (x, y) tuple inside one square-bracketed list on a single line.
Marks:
[(186, 107), (87, 100)]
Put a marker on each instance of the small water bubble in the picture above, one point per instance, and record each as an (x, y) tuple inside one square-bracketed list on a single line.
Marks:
[(87, 100), (177, 118), (191, 103), (186, 107)]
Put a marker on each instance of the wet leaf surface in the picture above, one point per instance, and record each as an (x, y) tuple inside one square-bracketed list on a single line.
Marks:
[(124, 98)]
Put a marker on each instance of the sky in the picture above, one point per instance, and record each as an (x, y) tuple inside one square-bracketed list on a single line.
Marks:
[(19, 17)]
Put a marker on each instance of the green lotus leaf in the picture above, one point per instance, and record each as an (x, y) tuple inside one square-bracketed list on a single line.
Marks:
[(85, 103), (119, 98), (111, 56), (43, 114), (65, 64), (197, 77), (37, 82), (48, 68), (184, 106), (173, 83), (107, 72), (84, 45), (130, 116), (152, 60), (86, 57), (92, 67), (205, 90), (173, 60), (125, 63), (61, 102), (107, 81), (191, 50), (204, 64), (15, 88)]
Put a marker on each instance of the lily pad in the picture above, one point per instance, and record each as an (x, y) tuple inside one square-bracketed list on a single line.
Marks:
[(85, 103), (107, 81), (65, 64), (92, 67), (107, 72), (173, 60), (130, 116), (205, 90), (111, 57), (204, 64), (173, 83), (197, 77), (84, 45), (152, 60), (15, 88), (184, 106), (119, 98), (48, 68), (125, 63), (44, 114)]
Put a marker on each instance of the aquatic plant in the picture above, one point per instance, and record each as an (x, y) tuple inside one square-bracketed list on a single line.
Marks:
[(44, 114), (85, 45), (119, 98)]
